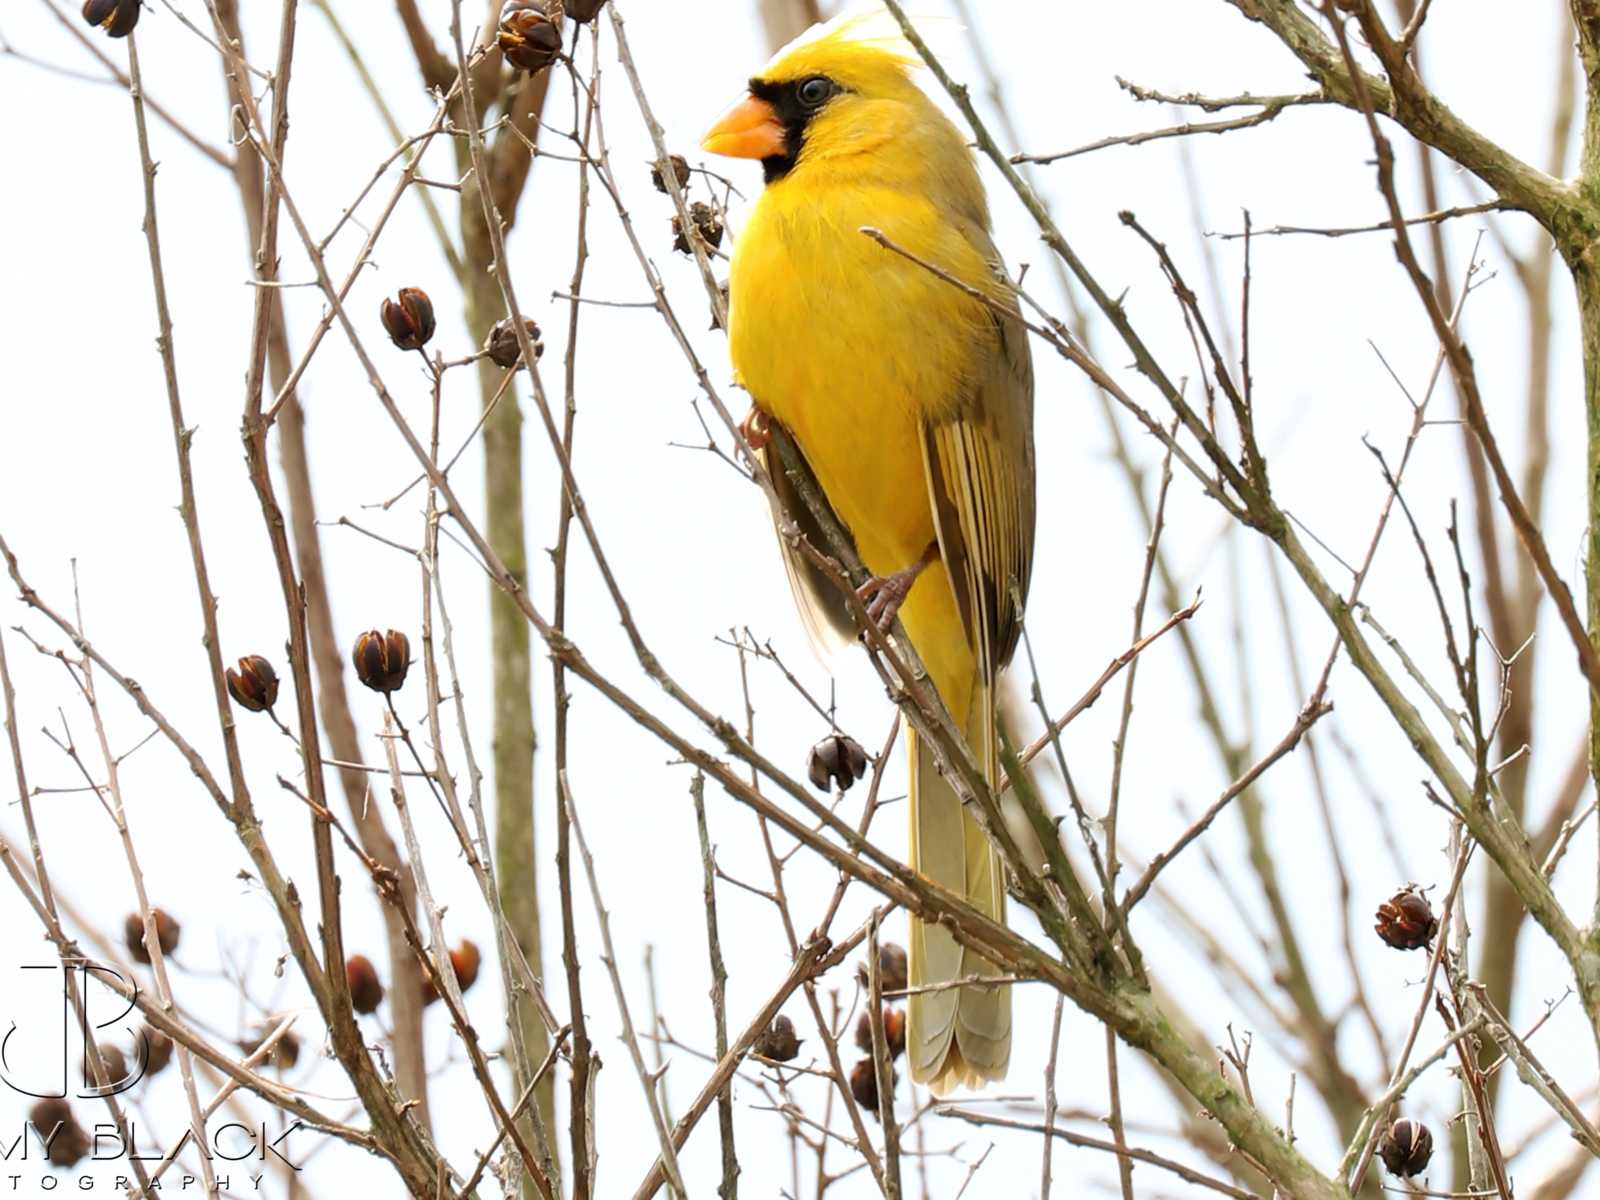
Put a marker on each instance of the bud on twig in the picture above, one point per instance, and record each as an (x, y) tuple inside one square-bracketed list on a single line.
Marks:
[(116, 17), (894, 1032), (864, 1087), (707, 227), (254, 685), (778, 1042), (837, 760), (382, 659), (167, 931), (528, 38), (366, 990), (1406, 1148), (70, 1142), (502, 346), (408, 318), (680, 168), (1406, 920)]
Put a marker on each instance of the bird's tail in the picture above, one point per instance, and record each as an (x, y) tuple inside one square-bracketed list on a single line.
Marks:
[(955, 1037)]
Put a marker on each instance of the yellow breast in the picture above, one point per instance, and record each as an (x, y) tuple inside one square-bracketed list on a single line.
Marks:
[(851, 346)]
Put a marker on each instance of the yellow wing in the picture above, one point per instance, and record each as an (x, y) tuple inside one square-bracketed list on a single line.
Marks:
[(979, 461)]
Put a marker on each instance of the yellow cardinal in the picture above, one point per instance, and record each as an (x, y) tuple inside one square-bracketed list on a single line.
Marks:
[(912, 402)]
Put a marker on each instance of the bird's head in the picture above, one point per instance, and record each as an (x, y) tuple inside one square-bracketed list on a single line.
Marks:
[(843, 88)]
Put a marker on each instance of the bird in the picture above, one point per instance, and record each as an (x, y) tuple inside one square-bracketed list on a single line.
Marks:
[(910, 399)]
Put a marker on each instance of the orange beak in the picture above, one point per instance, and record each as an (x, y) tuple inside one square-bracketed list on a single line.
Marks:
[(750, 129)]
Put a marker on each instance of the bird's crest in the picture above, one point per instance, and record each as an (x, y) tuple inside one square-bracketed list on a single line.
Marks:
[(867, 28)]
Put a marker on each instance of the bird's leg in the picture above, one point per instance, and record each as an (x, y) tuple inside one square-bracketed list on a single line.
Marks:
[(884, 594), (755, 428)]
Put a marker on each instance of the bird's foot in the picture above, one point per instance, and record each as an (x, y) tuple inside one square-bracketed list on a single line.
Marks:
[(884, 594), (755, 428)]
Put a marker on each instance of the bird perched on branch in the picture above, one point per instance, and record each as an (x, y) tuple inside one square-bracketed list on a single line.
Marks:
[(911, 400)]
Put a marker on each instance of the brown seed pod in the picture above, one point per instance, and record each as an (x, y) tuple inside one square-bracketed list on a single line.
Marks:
[(57, 1126), (285, 1051), (864, 1086), (778, 1042), (366, 990), (382, 659), (680, 168), (1406, 1148), (1406, 920), (707, 228), (891, 968), (112, 1061), (464, 960), (504, 349), (116, 17), (836, 761), (408, 318), (528, 38), (167, 932), (584, 11), (253, 684), (158, 1049), (894, 1032)]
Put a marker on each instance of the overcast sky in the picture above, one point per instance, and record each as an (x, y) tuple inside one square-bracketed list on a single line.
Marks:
[(86, 476)]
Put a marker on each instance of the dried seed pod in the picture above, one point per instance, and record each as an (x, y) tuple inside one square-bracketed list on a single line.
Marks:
[(1406, 1148), (528, 38), (158, 1049), (503, 348), (382, 659), (254, 684), (1406, 920), (366, 990), (167, 932), (864, 1086), (778, 1042), (707, 227), (60, 1130), (680, 168), (408, 318), (112, 1061), (894, 1031), (837, 761), (116, 17), (464, 960), (584, 11), (285, 1051), (892, 968)]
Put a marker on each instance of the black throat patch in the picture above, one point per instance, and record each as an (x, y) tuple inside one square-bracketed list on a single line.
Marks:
[(794, 113)]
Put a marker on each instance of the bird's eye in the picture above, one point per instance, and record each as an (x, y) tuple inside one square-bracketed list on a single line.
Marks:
[(815, 92)]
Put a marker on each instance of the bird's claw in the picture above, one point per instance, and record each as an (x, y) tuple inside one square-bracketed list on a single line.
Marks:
[(884, 594)]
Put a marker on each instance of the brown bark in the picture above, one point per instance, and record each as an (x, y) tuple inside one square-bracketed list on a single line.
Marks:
[(788, 19), (515, 851), (405, 992)]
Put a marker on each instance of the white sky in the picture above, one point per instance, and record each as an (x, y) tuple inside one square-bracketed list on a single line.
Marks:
[(86, 473)]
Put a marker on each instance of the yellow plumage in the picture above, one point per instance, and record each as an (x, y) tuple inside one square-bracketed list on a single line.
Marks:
[(912, 403)]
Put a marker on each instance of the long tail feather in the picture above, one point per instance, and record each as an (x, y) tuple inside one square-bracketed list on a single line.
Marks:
[(955, 1037)]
